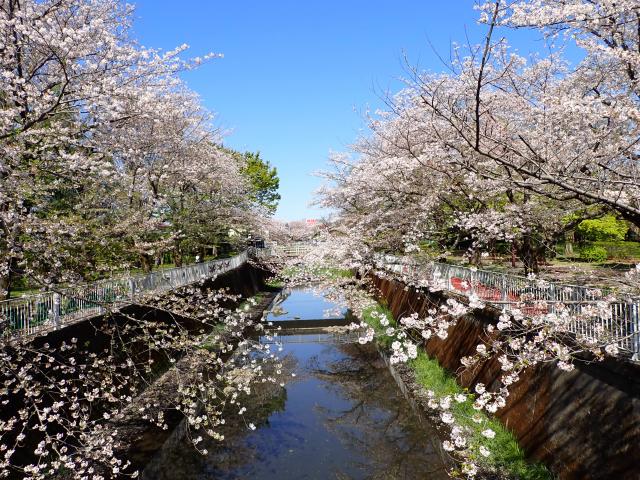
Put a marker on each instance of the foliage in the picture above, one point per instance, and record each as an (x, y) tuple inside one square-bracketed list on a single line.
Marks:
[(274, 282), (605, 228), (83, 391), (616, 250), (621, 250), (502, 147), (263, 180), (108, 161), (593, 253), (506, 456), (525, 335)]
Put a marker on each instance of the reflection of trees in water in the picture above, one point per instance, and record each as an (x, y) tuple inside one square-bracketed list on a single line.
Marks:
[(179, 460), (277, 310), (380, 434), (379, 426)]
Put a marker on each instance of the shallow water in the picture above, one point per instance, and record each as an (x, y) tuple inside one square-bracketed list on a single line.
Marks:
[(341, 417), (304, 304)]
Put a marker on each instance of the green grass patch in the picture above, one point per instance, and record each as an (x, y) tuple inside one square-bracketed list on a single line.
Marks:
[(615, 249), (333, 273), (20, 293), (247, 303), (506, 456), (372, 317), (274, 283), (210, 342)]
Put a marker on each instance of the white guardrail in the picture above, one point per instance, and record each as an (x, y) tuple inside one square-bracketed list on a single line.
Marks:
[(532, 297), (39, 313)]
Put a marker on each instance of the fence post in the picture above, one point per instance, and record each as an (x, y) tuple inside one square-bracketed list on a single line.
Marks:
[(56, 310), (472, 281), (635, 324), (132, 289), (504, 295)]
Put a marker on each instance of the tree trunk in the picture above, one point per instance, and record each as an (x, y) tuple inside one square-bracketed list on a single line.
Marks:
[(5, 286), (541, 255), (147, 262), (6, 278), (569, 238), (529, 255), (476, 258), (177, 256)]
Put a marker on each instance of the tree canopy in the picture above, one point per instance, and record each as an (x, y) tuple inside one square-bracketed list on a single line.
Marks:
[(263, 180)]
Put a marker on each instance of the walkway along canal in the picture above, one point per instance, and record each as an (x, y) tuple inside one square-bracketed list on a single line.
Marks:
[(341, 416)]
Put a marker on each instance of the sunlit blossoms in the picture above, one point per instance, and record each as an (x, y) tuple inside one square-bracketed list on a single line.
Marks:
[(509, 149), (109, 162), (107, 158)]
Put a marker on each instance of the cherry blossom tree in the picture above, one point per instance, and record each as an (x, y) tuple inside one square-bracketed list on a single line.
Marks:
[(104, 150), (499, 147), (108, 160)]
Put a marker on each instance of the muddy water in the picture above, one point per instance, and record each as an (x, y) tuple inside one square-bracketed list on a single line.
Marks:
[(341, 417)]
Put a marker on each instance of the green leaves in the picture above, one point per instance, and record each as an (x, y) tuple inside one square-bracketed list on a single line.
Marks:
[(604, 228), (263, 180)]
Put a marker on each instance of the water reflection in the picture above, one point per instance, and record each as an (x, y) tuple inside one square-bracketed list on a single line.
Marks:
[(304, 304), (341, 417)]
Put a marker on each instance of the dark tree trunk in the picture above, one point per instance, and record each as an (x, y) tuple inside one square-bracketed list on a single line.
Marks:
[(177, 256), (6, 280), (5, 286), (147, 262), (529, 255), (476, 258)]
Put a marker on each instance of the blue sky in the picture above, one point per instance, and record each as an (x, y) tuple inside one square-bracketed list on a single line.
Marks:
[(297, 75)]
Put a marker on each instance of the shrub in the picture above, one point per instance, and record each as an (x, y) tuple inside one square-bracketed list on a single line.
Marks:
[(593, 253), (621, 250), (604, 228)]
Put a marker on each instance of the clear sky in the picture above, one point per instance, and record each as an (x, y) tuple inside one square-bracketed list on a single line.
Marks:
[(297, 75)]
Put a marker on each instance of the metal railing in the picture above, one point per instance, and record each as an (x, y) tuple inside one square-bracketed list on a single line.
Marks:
[(51, 310), (331, 338), (291, 250), (621, 324)]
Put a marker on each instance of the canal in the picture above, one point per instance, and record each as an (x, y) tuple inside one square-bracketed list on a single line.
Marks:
[(339, 416)]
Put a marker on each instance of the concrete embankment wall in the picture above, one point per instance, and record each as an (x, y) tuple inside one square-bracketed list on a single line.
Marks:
[(138, 438), (583, 424)]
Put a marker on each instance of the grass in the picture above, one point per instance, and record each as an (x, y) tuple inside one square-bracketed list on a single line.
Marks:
[(616, 250), (22, 292), (333, 273), (506, 455), (274, 283), (210, 343)]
